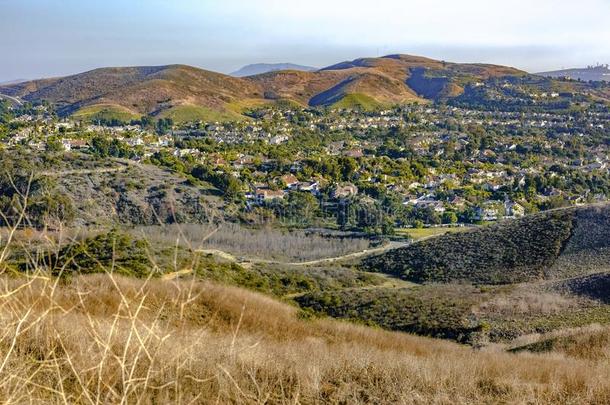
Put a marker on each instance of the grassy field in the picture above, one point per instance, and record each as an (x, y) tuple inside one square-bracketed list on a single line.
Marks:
[(188, 113), (110, 339), (357, 101), (106, 112)]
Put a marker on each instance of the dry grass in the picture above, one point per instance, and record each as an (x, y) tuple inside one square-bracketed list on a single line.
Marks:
[(265, 243), (521, 303), (108, 339), (591, 342), (104, 338)]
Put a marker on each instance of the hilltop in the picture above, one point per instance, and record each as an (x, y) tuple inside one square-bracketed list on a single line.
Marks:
[(370, 82), (547, 246), (595, 73), (188, 93), (177, 91), (260, 68)]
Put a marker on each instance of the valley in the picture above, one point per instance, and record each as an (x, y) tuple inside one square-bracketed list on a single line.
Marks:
[(363, 233)]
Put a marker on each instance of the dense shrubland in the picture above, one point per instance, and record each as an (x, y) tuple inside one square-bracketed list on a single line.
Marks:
[(509, 252), (443, 312), (588, 250)]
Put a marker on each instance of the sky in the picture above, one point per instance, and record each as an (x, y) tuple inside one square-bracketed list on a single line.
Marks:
[(44, 38)]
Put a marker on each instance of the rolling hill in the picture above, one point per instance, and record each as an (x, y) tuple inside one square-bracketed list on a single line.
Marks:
[(545, 273), (260, 68), (187, 93), (162, 90), (132, 340), (595, 73), (553, 245)]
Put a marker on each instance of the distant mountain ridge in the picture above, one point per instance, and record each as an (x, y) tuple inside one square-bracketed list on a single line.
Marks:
[(9, 82), (186, 93), (260, 68), (595, 73)]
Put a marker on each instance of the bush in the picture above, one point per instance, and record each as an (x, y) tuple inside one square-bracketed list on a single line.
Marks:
[(509, 252)]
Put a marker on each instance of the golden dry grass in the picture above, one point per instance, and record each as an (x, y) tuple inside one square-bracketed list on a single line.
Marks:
[(103, 338), (108, 339)]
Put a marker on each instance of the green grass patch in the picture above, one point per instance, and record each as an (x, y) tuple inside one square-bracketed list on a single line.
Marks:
[(188, 113), (357, 101), (105, 112)]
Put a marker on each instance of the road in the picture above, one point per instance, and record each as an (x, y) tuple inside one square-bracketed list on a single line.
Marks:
[(391, 282), (13, 99)]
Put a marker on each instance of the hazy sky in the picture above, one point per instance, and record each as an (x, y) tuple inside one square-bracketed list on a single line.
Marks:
[(41, 38)]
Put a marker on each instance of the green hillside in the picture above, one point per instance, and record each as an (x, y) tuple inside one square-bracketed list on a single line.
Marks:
[(188, 93), (105, 112), (357, 101), (189, 113), (508, 252)]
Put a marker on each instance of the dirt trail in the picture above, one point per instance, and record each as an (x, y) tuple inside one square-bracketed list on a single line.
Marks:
[(15, 100), (355, 255), (62, 173)]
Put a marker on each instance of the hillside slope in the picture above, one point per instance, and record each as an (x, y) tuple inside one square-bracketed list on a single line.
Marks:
[(126, 340), (141, 90), (552, 245), (595, 73), (386, 80), (188, 93), (107, 191)]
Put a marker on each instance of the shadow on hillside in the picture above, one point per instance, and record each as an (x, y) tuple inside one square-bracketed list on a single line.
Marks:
[(596, 287)]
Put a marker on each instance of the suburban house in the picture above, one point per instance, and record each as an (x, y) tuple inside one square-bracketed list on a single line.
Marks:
[(289, 180), (70, 144), (513, 209), (486, 213), (312, 187), (266, 194), (345, 191)]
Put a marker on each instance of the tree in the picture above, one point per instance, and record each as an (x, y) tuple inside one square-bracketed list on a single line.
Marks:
[(348, 167), (54, 145), (449, 217), (301, 207)]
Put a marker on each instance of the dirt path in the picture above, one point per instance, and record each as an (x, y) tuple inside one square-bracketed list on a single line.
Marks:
[(61, 173), (13, 99), (176, 274), (247, 262)]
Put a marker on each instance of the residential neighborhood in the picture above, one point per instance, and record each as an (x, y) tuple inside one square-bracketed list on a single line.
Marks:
[(419, 164)]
